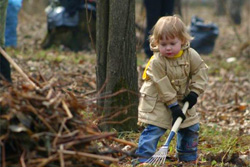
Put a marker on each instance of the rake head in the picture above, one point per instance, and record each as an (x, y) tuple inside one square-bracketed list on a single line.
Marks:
[(159, 157)]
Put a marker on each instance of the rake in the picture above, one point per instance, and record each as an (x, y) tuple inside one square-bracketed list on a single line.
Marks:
[(160, 156)]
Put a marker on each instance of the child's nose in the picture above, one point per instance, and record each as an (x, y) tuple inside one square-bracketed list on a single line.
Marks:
[(168, 47)]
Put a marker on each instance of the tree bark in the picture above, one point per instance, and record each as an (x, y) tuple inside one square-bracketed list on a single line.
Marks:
[(235, 7), (102, 26), (177, 7), (220, 7), (116, 62)]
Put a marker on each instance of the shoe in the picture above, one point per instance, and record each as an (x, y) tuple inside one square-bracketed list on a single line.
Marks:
[(135, 162)]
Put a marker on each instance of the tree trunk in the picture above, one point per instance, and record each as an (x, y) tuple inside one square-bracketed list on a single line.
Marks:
[(220, 7), (235, 7), (177, 7), (116, 63)]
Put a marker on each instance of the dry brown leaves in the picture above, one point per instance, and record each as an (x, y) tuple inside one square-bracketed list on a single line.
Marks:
[(45, 126), (225, 103)]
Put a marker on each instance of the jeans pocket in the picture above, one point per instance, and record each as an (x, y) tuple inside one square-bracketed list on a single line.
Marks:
[(147, 103)]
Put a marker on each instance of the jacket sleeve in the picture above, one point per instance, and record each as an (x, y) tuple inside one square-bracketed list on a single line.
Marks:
[(198, 73), (156, 72)]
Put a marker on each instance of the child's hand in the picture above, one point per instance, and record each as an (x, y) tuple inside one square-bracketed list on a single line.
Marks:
[(177, 112), (191, 98)]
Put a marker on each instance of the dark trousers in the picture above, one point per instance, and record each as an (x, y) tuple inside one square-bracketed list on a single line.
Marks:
[(155, 9), (4, 69)]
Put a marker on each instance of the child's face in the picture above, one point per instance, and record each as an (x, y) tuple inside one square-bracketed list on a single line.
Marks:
[(169, 47)]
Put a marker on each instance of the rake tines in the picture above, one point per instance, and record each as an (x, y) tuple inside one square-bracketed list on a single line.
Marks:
[(159, 157)]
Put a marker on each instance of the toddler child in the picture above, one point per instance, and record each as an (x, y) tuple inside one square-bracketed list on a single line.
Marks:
[(174, 74)]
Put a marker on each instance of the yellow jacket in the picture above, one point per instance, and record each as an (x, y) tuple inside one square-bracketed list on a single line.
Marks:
[(168, 81)]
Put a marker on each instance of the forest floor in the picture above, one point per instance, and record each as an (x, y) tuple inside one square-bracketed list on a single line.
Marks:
[(224, 108)]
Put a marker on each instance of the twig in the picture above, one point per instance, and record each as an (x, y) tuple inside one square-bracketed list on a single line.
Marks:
[(3, 154), (49, 84), (61, 156), (51, 101), (124, 141), (84, 139), (113, 138), (108, 96), (91, 155), (89, 29), (22, 160), (59, 134), (90, 92), (29, 96), (32, 109), (17, 68), (102, 88), (230, 147), (116, 122), (66, 108), (115, 114), (236, 98), (130, 153), (49, 94), (46, 161)]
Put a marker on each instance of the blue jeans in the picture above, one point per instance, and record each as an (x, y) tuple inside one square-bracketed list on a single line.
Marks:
[(187, 142)]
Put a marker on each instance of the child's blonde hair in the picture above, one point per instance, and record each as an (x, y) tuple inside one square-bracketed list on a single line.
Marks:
[(169, 27)]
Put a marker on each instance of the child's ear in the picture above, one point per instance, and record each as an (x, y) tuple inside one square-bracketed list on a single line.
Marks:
[(182, 42)]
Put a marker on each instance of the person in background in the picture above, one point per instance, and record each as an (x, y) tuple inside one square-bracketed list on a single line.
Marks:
[(154, 10), (13, 9), (5, 71), (175, 74)]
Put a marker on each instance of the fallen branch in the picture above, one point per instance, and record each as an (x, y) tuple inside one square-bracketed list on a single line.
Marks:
[(12, 62), (90, 155), (61, 156), (22, 159), (2, 162), (47, 160), (66, 108), (113, 138)]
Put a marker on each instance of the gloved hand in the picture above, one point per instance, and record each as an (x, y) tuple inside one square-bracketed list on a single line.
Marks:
[(191, 98), (177, 112)]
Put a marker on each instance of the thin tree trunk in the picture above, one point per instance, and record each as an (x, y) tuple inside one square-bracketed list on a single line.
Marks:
[(220, 7), (235, 7), (102, 25), (177, 7)]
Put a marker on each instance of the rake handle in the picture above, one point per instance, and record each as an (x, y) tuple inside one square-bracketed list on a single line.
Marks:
[(159, 157), (179, 119), (176, 125)]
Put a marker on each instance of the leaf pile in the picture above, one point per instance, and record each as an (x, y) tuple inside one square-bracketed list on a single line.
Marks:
[(45, 127)]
